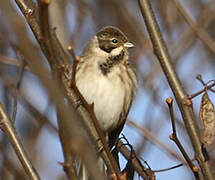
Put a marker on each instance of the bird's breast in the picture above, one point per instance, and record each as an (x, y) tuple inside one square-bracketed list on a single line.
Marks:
[(106, 92)]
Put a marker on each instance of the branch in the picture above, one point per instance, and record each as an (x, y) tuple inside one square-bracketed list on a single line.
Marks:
[(160, 50), (9, 130), (47, 37)]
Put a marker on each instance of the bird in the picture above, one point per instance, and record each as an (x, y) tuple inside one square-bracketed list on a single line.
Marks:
[(106, 77)]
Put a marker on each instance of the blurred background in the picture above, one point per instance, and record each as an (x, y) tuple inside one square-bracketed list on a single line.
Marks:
[(189, 31)]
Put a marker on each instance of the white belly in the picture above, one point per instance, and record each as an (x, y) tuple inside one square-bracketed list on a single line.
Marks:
[(107, 95)]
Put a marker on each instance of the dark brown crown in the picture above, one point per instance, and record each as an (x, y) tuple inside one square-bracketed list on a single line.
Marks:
[(107, 34)]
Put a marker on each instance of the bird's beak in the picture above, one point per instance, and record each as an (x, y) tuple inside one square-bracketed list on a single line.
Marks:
[(128, 45)]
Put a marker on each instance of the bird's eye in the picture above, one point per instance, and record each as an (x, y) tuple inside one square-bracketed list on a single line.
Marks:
[(114, 41)]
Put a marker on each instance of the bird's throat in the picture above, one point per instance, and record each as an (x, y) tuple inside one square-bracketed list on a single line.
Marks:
[(110, 62)]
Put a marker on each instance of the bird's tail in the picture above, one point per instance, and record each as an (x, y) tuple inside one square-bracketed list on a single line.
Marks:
[(82, 169)]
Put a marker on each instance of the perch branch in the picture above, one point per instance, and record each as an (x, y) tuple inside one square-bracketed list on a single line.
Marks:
[(90, 108)]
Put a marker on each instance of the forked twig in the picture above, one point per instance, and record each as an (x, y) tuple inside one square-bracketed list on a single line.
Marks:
[(174, 137), (206, 87)]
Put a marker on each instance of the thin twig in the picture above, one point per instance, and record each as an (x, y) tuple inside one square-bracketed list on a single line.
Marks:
[(167, 169), (153, 139), (174, 137), (38, 116), (12, 62), (15, 93), (147, 174), (9, 130), (201, 91), (199, 77)]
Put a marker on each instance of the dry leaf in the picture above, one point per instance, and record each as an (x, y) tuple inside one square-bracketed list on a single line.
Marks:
[(207, 116)]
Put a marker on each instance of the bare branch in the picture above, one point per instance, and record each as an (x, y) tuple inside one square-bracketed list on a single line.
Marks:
[(9, 130), (160, 50)]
